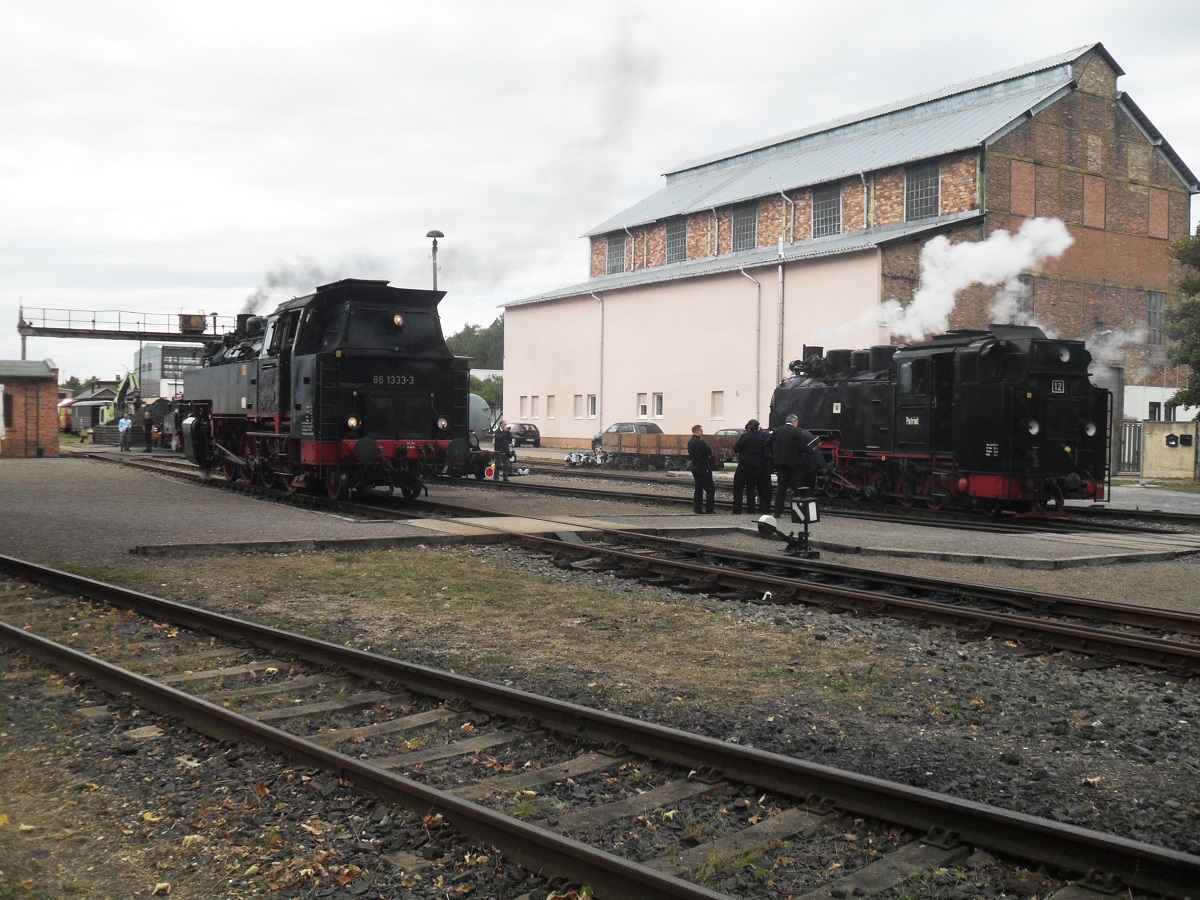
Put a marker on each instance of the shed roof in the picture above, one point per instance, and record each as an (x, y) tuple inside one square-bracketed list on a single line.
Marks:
[(959, 117), (27, 368)]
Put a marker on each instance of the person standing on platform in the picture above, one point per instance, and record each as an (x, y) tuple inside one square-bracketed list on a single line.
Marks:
[(701, 456), (748, 475), (125, 427), (148, 424), (502, 444), (788, 454)]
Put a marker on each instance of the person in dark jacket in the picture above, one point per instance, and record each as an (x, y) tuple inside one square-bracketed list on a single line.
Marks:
[(701, 456), (788, 453), (748, 475), (502, 440), (148, 426)]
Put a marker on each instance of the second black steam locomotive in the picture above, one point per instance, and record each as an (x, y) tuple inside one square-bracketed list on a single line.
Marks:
[(998, 420), (350, 387)]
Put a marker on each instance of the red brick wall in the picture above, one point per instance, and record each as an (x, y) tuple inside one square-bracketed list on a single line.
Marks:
[(889, 197), (959, 188), (34, 425)]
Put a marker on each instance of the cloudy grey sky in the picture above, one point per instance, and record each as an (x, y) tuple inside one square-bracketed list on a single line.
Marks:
[(179, 157)]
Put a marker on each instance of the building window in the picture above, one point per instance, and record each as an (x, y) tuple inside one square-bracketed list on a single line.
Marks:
[(717, 405), (745, 227), (1169, 410), (827, 211), (524, 413), (8, 410), (533, 406), (921, 191), (1154, 316), (578, 406), (549, 406), (677, 240), (1023, 300), (657, 401), (642, 409), (591, 406), (1155, 412), (616, 254)]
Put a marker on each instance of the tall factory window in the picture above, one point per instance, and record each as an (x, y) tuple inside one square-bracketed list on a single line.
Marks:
[(745, 227), (1155, 414), (616, 254), (8, 410), (1023, 298), (1155, 300), (921, 191), (657, 402), (827, 211), (677, 240)]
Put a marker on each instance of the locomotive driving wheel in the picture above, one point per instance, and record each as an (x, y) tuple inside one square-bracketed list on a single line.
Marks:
[(230, 468), (337, 483), (935, 494)]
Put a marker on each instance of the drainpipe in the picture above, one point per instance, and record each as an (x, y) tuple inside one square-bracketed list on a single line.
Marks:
[(757, 342), (600, 388), (779, 331), (792, 219), (632, 249), (866, 216)]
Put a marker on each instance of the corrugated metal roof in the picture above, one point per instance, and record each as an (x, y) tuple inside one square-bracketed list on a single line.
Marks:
[(762, 256), (955, 118), (26, 368)]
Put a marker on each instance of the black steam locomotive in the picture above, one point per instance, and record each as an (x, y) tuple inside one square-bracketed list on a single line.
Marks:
[(998, 420), (350, 387)]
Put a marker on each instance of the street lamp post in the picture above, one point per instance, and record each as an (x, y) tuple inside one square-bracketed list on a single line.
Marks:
[(435, 234)]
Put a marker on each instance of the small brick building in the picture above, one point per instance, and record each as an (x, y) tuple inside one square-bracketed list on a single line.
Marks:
[(30, 401), (699, 295)]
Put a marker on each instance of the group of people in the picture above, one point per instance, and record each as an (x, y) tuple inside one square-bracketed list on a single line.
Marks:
[(793, 452), (125, 427)]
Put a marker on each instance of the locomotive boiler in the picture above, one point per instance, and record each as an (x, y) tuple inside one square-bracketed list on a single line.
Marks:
[(348, 388), (1005, 419)]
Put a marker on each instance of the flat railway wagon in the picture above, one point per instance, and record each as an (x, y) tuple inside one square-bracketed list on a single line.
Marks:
[(1002, 420), (348, 388), (666, 452)]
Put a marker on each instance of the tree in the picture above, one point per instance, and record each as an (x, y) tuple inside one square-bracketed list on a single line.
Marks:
[(76, 386), (1183, 321), (491, 390), (485, 346)]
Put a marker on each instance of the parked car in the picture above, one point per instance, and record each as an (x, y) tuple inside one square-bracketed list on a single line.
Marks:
[(732, 432), (525, 433), (624, 428)]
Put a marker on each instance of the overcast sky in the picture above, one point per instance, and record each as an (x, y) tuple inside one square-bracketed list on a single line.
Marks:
[(179, 157)]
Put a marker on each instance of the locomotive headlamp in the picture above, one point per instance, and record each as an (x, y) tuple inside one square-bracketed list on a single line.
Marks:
[(1089, 429), (443, 423), (1064, 354), (398, 320), (352, 421), (1034, 426)]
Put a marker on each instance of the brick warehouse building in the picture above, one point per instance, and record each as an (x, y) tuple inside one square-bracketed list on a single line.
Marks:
[(30, 400), (700, 294)]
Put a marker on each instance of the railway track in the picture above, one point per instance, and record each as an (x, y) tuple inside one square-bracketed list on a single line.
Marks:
[(1036, 622), (441, 744)]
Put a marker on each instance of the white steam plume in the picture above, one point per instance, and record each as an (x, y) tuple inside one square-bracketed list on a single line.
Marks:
[(1106, 347), (948, 268)]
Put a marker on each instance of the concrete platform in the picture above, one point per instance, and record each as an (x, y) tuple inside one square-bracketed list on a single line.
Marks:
[(82, 511)]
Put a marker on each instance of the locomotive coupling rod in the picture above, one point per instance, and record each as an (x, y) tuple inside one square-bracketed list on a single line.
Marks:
[(239, 460)]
